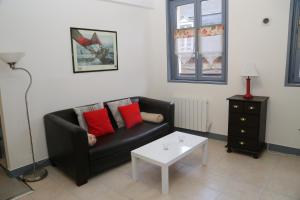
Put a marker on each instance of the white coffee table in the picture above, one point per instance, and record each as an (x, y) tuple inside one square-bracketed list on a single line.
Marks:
[(166, 151)]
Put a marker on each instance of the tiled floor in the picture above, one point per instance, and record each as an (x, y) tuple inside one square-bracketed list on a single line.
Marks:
[(226, 177)]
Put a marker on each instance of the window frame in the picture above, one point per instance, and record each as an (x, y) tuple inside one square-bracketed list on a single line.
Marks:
[(291, 79), (173, 75)]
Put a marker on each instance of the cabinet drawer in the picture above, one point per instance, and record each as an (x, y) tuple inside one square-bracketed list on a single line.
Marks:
[(243, 132), (243, 120), (252, 108), (236, 106), (240, 143)]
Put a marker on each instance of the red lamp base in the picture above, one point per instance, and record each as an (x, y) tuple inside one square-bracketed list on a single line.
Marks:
[(248, 94)]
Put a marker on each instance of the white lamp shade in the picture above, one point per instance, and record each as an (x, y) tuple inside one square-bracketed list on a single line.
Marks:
[(11, 57), (249, 70)]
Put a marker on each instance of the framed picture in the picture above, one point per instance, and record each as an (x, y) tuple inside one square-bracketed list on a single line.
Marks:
[(94, 50)]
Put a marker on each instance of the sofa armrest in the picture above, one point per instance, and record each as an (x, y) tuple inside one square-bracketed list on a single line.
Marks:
[(160, 107), (67, 147)]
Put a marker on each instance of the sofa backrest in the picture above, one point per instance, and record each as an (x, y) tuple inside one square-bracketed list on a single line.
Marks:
[(70, 115)]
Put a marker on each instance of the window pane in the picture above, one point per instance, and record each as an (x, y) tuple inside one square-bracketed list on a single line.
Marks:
[(211, 19), (184, 41), (186, 64), (211, 7), (212, 64), (211, 48), (211, 39), (185, 16), (185, 51), (211, 44)]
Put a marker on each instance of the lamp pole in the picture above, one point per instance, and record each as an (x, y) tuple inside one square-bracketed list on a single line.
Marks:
[(37, 174)]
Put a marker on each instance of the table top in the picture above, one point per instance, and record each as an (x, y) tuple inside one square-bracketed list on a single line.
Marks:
[(169, 149), (254, 99)]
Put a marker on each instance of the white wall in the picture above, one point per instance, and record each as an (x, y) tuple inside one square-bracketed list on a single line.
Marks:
[(42, 30), (139, 3), (249, 41)]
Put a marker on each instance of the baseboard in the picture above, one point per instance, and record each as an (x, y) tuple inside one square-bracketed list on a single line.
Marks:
[(203, 134), (284, 149), (23, 170), (271, 147)]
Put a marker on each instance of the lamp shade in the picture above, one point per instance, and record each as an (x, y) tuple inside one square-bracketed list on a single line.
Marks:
[(11, 57), (249, 70)]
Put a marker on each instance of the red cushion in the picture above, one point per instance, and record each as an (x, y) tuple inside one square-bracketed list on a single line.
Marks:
[(131, 114), (98, 122)]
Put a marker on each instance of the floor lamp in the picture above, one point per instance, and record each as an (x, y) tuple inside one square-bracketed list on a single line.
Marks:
[(11, 59)]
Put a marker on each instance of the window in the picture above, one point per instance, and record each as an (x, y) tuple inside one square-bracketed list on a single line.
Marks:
[(293, 63), (197, 41)]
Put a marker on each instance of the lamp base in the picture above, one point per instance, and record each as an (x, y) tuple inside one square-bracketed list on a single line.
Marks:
[(248, 96), (36, 175), (248, 93)]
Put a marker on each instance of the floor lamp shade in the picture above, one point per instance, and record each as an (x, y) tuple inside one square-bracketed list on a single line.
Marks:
[(11, 57), (249, 71)]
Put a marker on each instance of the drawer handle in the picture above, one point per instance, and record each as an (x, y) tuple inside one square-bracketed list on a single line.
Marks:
[(235, 106), (242, 143), (243, 119), (251, 108), (243, 131)]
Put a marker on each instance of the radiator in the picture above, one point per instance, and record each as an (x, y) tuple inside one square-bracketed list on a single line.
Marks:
[(191, 113)]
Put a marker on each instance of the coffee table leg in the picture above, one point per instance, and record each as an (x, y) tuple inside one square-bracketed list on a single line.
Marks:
[(134, 167), (204, 152), (165, 179)]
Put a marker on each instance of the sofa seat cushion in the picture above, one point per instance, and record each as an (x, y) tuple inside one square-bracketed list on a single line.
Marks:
[(125, 138)]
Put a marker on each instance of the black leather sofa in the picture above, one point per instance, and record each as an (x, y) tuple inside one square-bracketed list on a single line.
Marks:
[(68, 145)]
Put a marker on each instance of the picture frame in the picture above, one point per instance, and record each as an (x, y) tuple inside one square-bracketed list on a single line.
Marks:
[(93, 50)]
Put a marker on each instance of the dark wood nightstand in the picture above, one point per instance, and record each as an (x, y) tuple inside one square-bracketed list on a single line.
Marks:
[(247, 124)]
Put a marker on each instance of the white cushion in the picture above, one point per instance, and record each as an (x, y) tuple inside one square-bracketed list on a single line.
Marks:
[(113, 107), (152, 117), (92, 139)]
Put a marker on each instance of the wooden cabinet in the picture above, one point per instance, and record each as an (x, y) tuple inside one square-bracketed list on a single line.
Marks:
[(247, 124)]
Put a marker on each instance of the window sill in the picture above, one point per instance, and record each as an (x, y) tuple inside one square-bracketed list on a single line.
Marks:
[(198, 82), (292, 84)]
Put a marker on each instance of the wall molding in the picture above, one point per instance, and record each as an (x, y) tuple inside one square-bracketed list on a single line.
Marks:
[(146, 4), (284, 149), (203, 134), (23, 170), (270, 147)]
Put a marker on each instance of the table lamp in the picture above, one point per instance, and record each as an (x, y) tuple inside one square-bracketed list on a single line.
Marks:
[(248, 71), (11, 59)]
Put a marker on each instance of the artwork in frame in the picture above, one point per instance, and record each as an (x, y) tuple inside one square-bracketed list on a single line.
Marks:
[(94, 50)]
